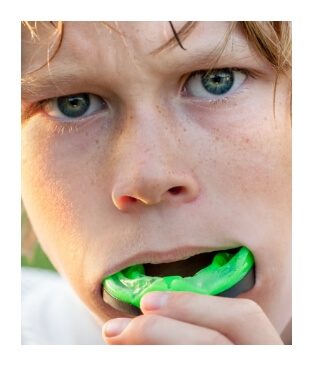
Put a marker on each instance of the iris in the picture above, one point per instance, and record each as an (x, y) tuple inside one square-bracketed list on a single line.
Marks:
[(218, 81), (74, 105)]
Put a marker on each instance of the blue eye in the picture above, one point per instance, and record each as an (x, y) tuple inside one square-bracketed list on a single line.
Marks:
[(74, 106), (214, 83), (218, 82)]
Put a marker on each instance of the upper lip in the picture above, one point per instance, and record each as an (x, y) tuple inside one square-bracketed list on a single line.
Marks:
[(173, 255)]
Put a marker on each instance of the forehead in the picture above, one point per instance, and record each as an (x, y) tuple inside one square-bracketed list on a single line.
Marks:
[(127, 40), (143, 34)]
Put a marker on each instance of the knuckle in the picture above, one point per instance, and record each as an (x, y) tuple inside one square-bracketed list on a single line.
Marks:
[(218, 339), (251, 308)]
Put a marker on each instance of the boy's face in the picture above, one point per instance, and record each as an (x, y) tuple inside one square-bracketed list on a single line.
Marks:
[(164, 168)]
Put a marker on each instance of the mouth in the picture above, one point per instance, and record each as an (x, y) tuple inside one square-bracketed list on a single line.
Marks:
[(224, 273)]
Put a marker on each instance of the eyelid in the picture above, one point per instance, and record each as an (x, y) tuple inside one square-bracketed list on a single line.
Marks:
[(96, 104), (217, 98), (61, 124), (249, 72)]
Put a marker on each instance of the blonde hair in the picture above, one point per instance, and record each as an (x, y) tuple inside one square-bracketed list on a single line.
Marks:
[(271, 40)]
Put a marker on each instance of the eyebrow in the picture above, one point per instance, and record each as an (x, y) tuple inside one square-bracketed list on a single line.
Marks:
[(60, 76), (223, 54), (42, 81)]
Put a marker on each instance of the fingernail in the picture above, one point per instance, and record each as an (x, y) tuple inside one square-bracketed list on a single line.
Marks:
[(154, 300), (115, 327)]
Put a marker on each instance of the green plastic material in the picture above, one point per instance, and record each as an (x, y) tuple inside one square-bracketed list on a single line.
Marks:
[(225, 271)]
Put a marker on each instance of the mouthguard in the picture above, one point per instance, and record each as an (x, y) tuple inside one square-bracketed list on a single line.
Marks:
[(228, 275)]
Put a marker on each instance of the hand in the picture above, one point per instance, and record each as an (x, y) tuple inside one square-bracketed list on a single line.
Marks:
[(188, 318)]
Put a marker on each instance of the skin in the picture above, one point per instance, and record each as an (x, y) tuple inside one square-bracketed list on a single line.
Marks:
[(121, 186)]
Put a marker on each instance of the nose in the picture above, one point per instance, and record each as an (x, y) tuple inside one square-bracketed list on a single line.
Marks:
[(152, 170), (146, 189)]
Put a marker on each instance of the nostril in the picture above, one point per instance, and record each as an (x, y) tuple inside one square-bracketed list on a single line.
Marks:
[(127, 199), (175, 190)]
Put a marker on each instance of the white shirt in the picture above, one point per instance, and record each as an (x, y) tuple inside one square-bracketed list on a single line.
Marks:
[(53, 314)]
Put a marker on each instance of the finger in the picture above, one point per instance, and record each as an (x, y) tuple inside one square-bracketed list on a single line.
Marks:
[(156, 329), (240, 320)]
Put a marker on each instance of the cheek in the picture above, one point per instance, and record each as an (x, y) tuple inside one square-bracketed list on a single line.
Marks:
[(248, 162), (247, 179), (57, 176), (256, 167)]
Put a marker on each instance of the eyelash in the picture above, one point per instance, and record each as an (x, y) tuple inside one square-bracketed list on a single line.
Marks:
[(60, 126), (222, 99)]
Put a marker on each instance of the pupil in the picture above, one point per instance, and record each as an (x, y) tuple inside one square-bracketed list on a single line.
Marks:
[(74, 105), (218, 82)]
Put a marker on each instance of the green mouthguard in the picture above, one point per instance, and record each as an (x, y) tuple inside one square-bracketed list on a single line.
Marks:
[(225, 271)]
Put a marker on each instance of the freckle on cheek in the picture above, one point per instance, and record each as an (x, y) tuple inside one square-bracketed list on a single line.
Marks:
[(158, 108)]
